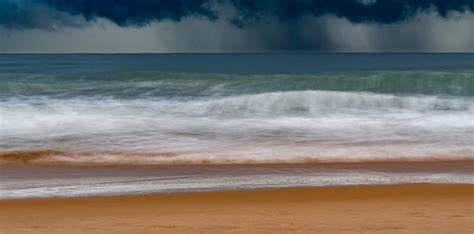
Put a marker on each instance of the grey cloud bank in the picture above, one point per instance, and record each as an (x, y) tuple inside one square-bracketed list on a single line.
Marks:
[(236, 26)]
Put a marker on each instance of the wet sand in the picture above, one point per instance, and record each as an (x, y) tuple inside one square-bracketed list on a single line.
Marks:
[(417, 208), (35, 181)]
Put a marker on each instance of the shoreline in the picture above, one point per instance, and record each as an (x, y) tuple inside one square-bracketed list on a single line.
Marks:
[(30, 181), (228, 190), (46, 157), (397, 163), (420, 208)]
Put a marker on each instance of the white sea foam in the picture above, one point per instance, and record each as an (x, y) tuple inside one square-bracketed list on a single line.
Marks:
[(267, 127)]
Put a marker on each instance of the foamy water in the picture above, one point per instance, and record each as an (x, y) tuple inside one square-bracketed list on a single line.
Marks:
[(41, 181), (85, 115), (151, 110)]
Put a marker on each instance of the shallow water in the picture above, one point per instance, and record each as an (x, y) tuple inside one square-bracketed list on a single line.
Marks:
[(58, 181)]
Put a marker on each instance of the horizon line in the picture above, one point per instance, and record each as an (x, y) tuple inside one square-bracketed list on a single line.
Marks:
[(249, 52)]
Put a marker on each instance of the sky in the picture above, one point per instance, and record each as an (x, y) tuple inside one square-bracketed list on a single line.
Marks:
[(169, 26)]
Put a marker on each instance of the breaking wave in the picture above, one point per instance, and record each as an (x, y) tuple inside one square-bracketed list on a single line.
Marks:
[(185, 85), (168, 118)]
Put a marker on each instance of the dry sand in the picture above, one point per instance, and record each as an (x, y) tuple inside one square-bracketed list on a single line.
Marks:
[(421, 208)]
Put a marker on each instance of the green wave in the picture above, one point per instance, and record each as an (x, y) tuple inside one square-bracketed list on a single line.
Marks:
[(139, 84)]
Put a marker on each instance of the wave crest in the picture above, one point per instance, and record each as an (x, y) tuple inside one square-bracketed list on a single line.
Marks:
[(157, 84), (321, 102)]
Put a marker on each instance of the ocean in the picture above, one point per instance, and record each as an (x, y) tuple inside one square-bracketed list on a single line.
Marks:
[(130, 110)]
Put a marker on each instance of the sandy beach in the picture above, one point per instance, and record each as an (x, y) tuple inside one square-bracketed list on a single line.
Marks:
[(418, 208)]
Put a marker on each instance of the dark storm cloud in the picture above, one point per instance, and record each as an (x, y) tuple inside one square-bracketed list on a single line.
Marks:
[(47, 13), (134, 12), (236, 25), (21, 14), (356, 11), (44, 14)]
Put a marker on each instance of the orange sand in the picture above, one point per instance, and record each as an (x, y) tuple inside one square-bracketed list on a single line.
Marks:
[(419, 208)]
